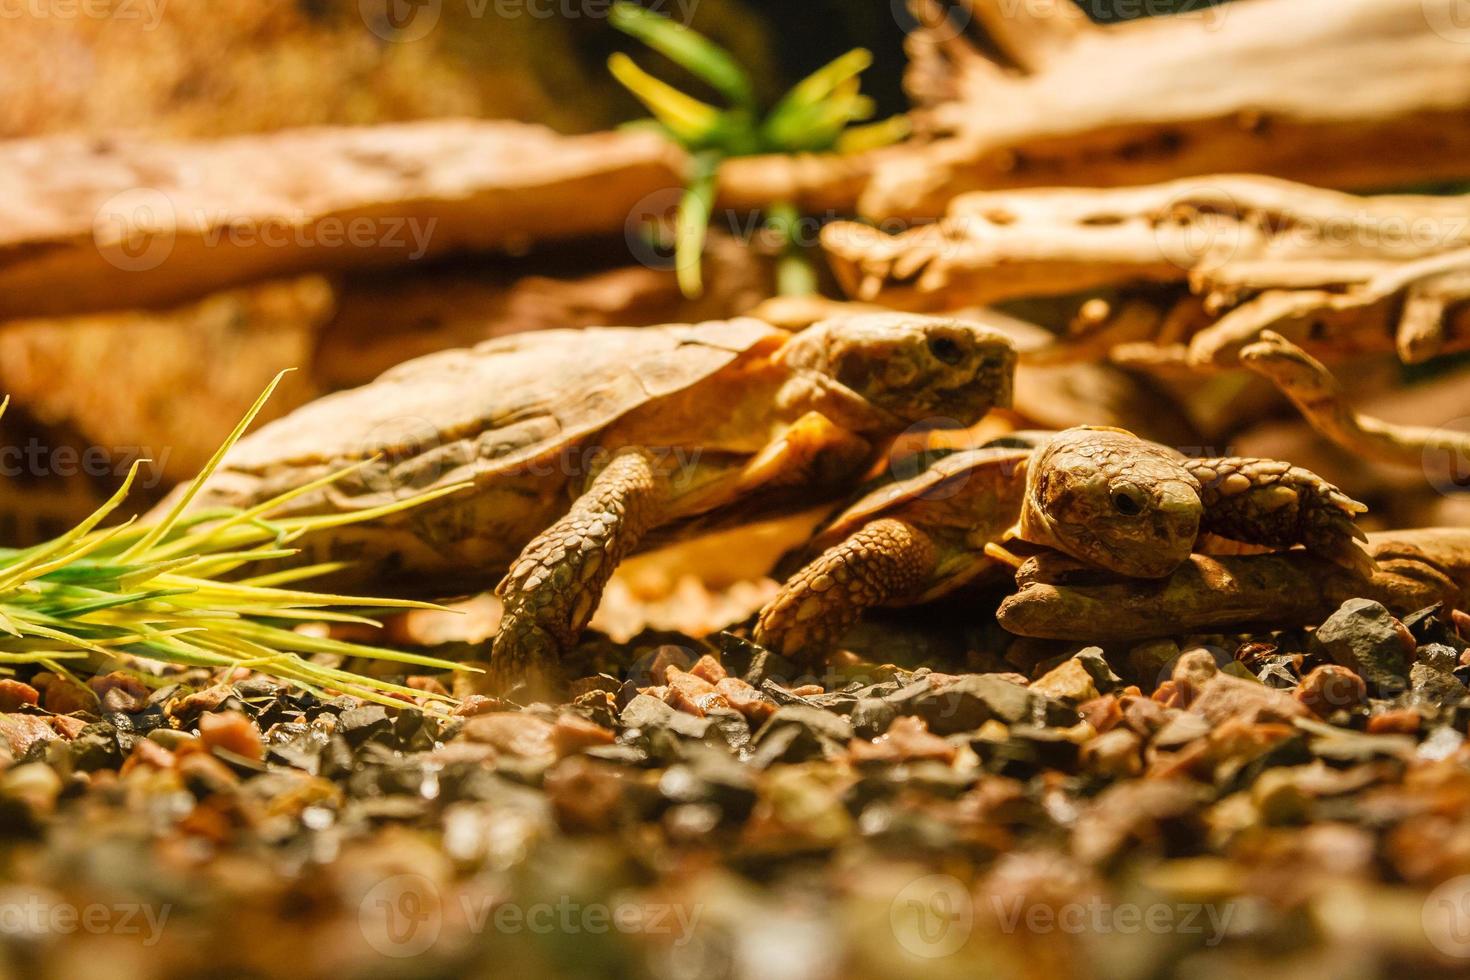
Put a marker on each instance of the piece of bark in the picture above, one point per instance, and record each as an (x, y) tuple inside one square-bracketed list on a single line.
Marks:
[(1058, 600), (1236, 255), (1221, 232), (1442, 451), (113, 224), (1291, 88)]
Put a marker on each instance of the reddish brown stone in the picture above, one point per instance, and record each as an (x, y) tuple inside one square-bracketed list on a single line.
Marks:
[(1225, 697), (692, 694), (14, 694), (1402, 721), (908, 739), (572, 733), (1329, 688), (754, 705), (20, 732), (233, 732), (710, 669), (119, 692), (585, 794), (512, 732)]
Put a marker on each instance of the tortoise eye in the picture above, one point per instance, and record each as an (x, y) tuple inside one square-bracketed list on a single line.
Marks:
[(946, 350), (1127, 502)]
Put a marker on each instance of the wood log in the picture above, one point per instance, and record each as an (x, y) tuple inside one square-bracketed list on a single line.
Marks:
[(1343, 93), (90, 225), (1342, 272), (1416, 568), (1353, 94)]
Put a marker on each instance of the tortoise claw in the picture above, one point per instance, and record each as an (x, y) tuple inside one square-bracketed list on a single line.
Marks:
[(999, 553), (525, 656)]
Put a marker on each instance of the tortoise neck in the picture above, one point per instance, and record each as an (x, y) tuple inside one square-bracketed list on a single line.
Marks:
[(808, 391)]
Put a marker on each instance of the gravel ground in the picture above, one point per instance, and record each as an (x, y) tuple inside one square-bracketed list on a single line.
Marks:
[(1289, 805)]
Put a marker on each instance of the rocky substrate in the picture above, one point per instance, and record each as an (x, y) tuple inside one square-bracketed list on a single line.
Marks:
[(1291, 804)]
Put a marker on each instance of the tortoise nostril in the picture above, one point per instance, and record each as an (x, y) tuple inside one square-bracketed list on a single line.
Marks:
[(946, 350)]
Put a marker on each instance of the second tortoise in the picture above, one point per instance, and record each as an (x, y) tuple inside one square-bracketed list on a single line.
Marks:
[(1100, 495)]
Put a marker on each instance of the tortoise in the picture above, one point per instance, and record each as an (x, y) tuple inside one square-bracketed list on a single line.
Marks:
[(1101, 495), (583, 445)]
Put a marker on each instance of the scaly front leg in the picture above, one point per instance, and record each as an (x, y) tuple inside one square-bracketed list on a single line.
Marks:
[(1265, 501), (553, 588), (882, 561)]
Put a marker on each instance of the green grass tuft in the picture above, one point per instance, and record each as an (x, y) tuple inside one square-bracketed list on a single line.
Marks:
[(96, 598)]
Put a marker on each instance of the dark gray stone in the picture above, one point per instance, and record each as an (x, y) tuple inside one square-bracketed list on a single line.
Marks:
[(1365, 638)]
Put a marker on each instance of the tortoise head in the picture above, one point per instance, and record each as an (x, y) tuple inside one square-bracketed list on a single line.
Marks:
[(1112, 499), (914, 368)]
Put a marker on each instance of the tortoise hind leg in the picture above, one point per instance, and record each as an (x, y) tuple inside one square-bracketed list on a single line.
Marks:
[(883, 560), (1268, 502), (553, 588)]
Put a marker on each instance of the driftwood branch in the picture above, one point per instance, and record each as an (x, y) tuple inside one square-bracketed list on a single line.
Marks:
[(1416, 568), (88, 225), (1334, 270), (1291, 88), (1442, 451)]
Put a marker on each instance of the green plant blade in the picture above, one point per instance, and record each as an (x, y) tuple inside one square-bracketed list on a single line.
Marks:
[(693, 224), (690, 50), (691, 120)]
